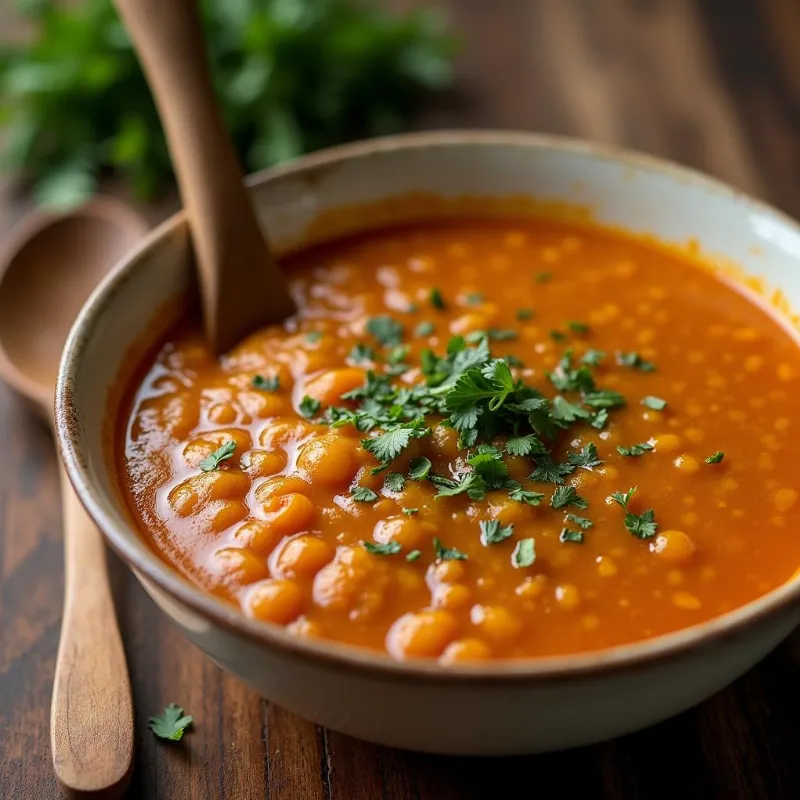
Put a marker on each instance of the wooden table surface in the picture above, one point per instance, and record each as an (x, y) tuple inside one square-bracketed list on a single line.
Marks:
[(710, 83)]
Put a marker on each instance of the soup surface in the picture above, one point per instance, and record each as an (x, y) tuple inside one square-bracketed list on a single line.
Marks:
[(479, 440)]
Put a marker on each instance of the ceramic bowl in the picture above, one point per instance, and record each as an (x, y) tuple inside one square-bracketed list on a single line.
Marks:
[(500, 708)]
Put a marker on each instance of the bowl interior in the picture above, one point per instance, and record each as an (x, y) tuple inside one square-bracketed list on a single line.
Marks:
[(405, 178)]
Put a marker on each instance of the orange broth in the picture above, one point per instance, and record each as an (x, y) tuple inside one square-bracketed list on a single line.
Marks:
[(241, 483)]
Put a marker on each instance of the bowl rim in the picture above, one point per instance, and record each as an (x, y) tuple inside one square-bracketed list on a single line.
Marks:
[(147, 564)]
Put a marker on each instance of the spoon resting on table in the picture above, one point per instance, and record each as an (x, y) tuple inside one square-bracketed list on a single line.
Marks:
[(241, 286), (52, 264)]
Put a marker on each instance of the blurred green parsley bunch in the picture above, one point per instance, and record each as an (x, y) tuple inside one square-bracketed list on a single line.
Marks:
[(292, 76)]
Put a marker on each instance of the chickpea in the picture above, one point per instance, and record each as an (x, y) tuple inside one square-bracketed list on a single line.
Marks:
[(673, 546), (329, 460), (421, 634), (258, 536), (238, 566), (465, 650), (468, 323), (261, 464), (447, 571), (277, 601), (496, 622), (288, 513), (275, 487), (568, 596), (224, 435), (687, 464), (225, 513), (186, 497), (444, 442), (405, 530), (280, 433), (342, 584), (263, 405), (329, 387), (222, 414), (450, 595), (304, 554)]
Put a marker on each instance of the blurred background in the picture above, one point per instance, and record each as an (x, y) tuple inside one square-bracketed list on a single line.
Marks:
[(714, 84)]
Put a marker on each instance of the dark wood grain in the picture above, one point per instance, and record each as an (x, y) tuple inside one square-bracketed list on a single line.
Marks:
[(714, 84)]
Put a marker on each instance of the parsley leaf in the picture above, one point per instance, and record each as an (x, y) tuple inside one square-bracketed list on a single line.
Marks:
[(493, 532), (587, 458), (525, 445), (524, 314), (268, 383), (635, 449), (524, 553), (309, 406), (425, 328), (363, 494), (656, 403), (633, 360), (600, 419), (566, 412), (409, 511), (592, 357), (222, 453), (491, 467), (715, 458), (548, 471), (413, 555), (491, 385), (447, 553), (624, 498), (501, 334), (569, 535), (578, 327), (642, 526), (469, 483), (581, 522), (386, 330), (394, 482), (520, 495), (419, 468), (567, 496), (436, 299), (387, 446), (382, 549), (361, 353), (604, 398), (568, 379), (557, 336), (170, 724)]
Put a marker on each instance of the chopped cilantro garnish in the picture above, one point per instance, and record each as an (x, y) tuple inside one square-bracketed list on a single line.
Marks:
[(623, 498), (419, 468), (268, 383), (520, 495), (524, 314), (425, 328), (577, 327), (715, 458), (633, 360), (171, 723), (414, 554), (543, 277), (568, 379), (525, 445), (566, 412), (390, 444), (656, 403), (222, 453), (409, 511), (363, 494), (309, 406), (569, 535), (548, 471), (524, 553), (394, 482), (470, 483), (447, 553), (386, 330), (604, 398), (635, 449), (491, 467), (436, 299), (398, 353), (493, 532), (558, 336), (581, 522), (599, 419), (474, 298), (383, 549), (567, 496), (642, 526), (361, 353), (592, 357), (586, 458), (312, 337)]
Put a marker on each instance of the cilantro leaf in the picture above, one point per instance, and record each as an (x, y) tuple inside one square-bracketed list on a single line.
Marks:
[(642, 526), (569, 535), (268, 383), (501, 334), (309, 406), (312, 337), (469, 483), (624, 498), (543, 277), (633, 360), (548, 471), (361, 353), (604, 398), (447, 553), (474, 299), (581, 522), (387, 446), (599, 419), (567, 496), (566, 412), (656, 403), (171, 723), (394, 482), (592, 357), (578, 327), (493, 532), (525, 445), (520, 495), (382, 549), (524, 314), (524, 554), (222, 453), (419, 468), (491, 467), (715, 458), (635, 449), (436, 299), (557, 336), (587, 458), (387, 330), (363, 494), (425, 328), (413, 555), (409, 511), (566, 378)]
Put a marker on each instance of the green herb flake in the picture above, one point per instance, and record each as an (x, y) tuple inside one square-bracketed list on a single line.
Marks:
[(387, 330), (363, 494), (520, 495), (656, 403), (383, 548), (548, 471), (525, 445), (715, 458), (390, 444), (604, 398), (586, 458), (266, 383), (642, 526), (409, 511), (567, 496), (543, 277), (171, 723), (635, 449), (524, 314), (592, 357), (419, 468), (447, 553), (599, 419), (312, 337), (425, 328), (634, 361), (623, 498), (577, 327), (524, 554), (361, 353), (309, 406), (569, 535), (581, 522), (413, 555), (558, 336), (493, 532), (474, 299), (394, 482), (222, 453), (436, 299)]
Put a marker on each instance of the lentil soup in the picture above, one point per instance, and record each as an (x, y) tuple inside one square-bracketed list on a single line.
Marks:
[(478, 439)]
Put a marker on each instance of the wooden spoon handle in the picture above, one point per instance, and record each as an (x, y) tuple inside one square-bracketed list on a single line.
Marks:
[(241, 286), (91, 719)]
